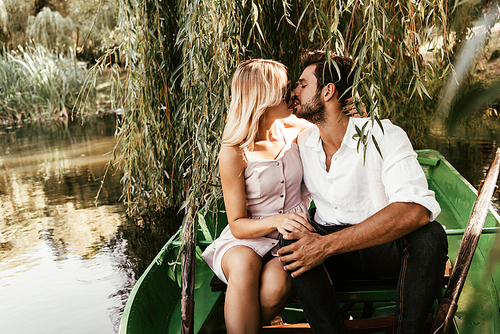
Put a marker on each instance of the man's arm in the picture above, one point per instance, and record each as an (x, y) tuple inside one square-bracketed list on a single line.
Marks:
[(392, 222)]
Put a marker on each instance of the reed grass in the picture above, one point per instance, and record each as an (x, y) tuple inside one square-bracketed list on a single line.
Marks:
[(36, 83)]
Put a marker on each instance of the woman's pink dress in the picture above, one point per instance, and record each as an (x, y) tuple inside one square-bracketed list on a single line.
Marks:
[(272, 187)]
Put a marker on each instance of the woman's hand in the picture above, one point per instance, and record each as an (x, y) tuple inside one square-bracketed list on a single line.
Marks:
[(292, 222), (350, 108)]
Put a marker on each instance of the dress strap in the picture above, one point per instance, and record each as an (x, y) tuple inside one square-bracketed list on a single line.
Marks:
[(282, 130), (247, 154)]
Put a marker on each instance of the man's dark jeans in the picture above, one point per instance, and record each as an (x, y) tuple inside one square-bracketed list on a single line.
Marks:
[(417, 260)]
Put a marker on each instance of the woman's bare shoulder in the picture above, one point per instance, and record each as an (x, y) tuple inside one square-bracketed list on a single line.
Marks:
[(293, 121), (295, 125), (232, 155)]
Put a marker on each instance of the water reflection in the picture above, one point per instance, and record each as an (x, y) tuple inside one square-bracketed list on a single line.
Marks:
[(143, 241), (55, 272), (68, 265), (49, 176), (471, 152)]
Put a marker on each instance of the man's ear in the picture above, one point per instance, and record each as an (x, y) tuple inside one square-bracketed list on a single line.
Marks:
[(329, 91)]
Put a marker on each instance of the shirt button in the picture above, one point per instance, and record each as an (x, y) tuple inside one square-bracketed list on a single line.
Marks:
[(280, 211), (277, 163), (282, 181), (282, 195), (336, 207), (331, 181)]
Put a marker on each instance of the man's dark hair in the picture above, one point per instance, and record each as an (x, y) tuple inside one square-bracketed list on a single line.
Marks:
[(326, 72)]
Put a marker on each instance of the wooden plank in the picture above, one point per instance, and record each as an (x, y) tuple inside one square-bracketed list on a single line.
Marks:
[(372, 325)]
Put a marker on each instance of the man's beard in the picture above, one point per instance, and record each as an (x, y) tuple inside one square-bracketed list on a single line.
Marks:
[(313, 110)]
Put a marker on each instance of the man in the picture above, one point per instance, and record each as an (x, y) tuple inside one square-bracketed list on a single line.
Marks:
[(375, 214)]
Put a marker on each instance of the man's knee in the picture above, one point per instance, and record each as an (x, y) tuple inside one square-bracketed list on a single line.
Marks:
[(436, 233), (430, 239)]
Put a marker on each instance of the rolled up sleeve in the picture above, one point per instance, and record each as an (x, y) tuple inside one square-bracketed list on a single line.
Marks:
[(404, 178)]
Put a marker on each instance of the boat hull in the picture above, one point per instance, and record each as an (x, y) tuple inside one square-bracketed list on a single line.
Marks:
[(154, 304)]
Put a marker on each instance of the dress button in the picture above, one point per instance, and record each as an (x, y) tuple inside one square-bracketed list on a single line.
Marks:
[(280, 211)]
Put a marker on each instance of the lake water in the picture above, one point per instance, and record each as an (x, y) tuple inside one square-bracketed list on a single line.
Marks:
[(68, 265)]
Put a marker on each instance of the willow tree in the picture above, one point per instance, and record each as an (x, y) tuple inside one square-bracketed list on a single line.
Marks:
[(51, 30), (181, 54)]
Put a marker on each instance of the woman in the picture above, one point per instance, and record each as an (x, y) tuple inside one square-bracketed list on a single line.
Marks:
[(261, 175)]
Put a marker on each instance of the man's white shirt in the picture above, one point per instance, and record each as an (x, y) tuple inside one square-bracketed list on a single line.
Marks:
[(358, 186)]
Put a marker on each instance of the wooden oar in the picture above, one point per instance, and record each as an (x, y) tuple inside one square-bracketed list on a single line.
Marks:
[(448, 305), (187, 272)]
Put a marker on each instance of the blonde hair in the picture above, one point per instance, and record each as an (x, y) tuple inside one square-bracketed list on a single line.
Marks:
[(257, 84)]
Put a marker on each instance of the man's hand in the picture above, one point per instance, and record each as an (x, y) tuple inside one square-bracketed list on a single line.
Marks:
[(304, 254)]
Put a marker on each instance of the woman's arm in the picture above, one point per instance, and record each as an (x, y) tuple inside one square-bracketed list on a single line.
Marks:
[(232, 172)]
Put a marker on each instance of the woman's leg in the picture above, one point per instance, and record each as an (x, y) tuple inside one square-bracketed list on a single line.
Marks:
[(275, 288), (242, 267)]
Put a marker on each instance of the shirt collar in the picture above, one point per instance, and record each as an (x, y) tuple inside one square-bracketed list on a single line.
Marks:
[(348, 140), (314, 140)]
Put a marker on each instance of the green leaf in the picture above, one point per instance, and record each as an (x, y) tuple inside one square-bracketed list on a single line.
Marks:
[(376, 145), (302, 16), (311, 33), (380, 124), (324, 19)]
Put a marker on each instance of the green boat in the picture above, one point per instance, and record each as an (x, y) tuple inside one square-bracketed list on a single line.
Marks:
[(154, 305)]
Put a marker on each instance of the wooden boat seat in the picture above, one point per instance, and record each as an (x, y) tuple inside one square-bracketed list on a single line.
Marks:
[(363, 289)]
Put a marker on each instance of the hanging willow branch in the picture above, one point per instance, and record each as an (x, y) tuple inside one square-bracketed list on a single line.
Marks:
[(181, 55)]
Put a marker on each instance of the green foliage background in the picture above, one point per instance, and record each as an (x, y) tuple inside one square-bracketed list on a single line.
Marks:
[(181, 55), (37, 83), (88, 26), (40, 43)]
